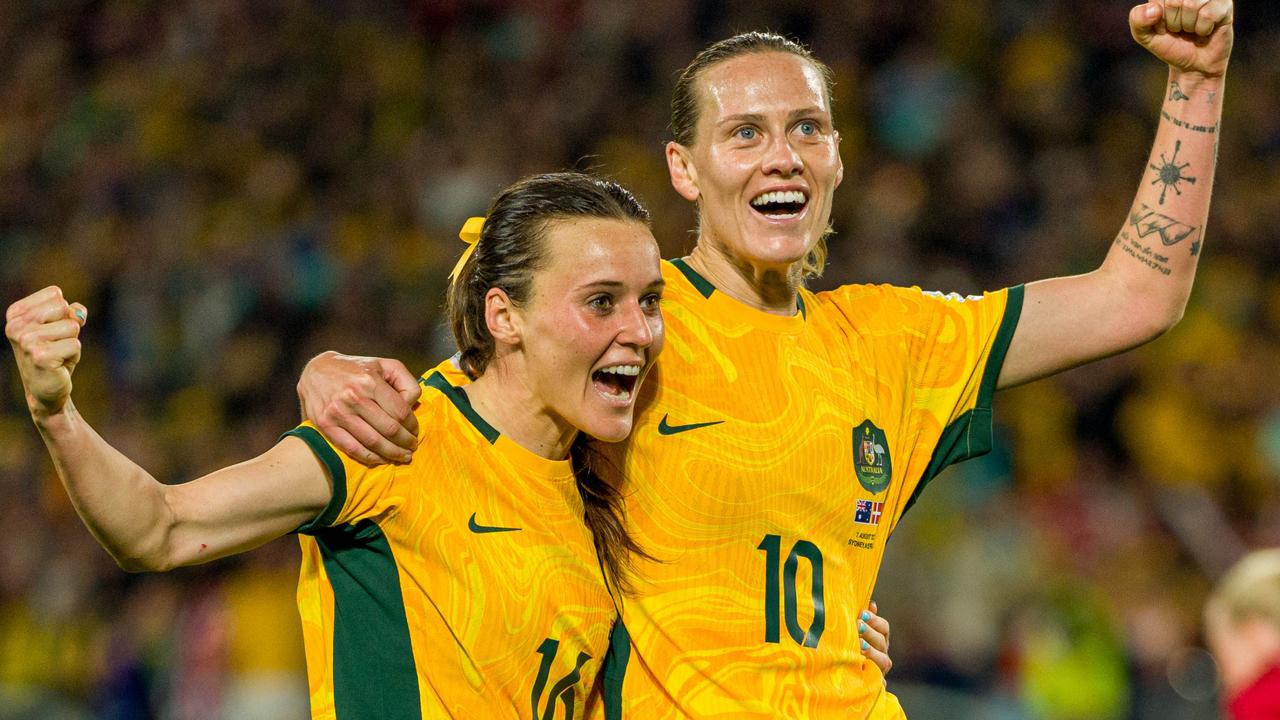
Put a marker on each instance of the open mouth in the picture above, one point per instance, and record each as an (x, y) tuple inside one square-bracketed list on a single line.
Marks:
[(616, 383), (780, 204)]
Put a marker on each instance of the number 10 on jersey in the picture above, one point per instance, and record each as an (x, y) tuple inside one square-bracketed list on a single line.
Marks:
[(786, 581)]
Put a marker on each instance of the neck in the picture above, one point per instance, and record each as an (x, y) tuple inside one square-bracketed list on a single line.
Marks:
[(505, 400), (771, 288)]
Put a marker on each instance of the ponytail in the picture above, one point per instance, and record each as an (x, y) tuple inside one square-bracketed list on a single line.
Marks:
[(605, 516)]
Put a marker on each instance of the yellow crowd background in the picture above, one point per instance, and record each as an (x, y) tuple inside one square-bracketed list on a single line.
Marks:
[(231, 187)]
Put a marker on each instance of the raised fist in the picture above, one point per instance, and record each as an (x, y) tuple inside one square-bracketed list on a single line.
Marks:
[(1190, 35), (44, 330)]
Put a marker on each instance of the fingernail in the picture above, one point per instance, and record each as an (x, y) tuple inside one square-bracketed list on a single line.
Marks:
[(407, 457), (80, 315), (866, 615), (862, 627), (865, 645)]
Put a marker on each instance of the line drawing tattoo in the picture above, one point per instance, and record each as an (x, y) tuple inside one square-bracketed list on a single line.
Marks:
[(1148, 222), (1169, 173), (1176, 94)]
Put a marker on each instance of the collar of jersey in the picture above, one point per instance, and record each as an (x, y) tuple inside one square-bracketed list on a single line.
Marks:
[(512, 451), (724, 306)]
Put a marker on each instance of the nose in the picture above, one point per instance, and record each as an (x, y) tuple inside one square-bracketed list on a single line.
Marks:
[(781, 157), (635, 329)]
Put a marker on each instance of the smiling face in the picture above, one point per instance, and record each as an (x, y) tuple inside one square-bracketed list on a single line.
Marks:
[(764, 162), (592, 328)]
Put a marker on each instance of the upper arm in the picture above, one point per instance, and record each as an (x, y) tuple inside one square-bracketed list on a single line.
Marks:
[(1069, 321), (243, 506)]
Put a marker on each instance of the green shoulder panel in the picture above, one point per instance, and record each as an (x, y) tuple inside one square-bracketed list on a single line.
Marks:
[(374, 673)]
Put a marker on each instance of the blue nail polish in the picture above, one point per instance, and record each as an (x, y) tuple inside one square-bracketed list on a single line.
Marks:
[(866, 615), (865, 646), (862, 627)]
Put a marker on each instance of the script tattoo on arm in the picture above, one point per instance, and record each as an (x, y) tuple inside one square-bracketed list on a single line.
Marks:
[(1144, 254), (1207, 129)]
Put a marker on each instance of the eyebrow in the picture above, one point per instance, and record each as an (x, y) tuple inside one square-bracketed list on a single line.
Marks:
[(757, 117), (619, 285)]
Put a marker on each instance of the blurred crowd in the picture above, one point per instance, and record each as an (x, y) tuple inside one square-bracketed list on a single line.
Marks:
[(231, 187)]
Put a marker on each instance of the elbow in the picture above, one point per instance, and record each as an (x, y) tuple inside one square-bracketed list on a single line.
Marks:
[(1174, 317), (151, 553), (1152, 325), (145, 562), (1163, 322), (141, 565)]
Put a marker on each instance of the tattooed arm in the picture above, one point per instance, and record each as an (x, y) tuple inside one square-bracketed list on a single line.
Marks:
[(1141, 288)]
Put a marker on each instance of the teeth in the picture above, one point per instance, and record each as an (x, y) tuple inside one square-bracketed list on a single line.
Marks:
[(632, 370), (623, 395), (789, 196)]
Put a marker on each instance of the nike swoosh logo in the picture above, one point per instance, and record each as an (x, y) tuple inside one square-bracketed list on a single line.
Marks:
[(475, 527), (665, 428)]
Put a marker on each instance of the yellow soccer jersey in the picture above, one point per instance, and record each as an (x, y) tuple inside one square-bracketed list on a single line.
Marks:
[(770, 461), (462, 585)]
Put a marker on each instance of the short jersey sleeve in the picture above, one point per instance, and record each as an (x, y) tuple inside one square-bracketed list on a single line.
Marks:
[(956, 347), (359, 492)]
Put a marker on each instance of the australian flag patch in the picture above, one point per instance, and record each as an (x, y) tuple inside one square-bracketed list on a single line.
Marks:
[(867, 512)]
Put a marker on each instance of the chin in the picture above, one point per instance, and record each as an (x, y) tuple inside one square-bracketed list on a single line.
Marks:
[(609, 430), (779, 251)]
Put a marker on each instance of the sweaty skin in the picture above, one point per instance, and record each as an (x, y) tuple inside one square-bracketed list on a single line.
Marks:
[(1137, 293)]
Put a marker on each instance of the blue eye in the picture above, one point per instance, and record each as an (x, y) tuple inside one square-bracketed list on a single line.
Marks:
[(808, 128), (746, 133)]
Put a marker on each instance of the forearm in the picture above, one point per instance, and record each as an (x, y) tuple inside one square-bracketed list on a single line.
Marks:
[(1142, 286), (1154, 256), (150, 526), (122, 505), (144, 524)]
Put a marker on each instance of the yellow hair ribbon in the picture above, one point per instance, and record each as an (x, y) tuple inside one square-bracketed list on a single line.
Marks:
[(469, 234)]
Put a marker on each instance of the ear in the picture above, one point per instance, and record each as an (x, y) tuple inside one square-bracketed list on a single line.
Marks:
[(839, 161), (684, 175), (501, 318)]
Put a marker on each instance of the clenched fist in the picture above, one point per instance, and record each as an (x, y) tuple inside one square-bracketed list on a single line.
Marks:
[(44, 330), (1190, 35)]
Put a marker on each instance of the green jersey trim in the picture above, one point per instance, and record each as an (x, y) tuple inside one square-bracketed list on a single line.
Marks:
[(460, 401), (337, 472), (970, 435), (614, 670), (706, 289), (1000, 348), (699, 283), (374, 674)]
